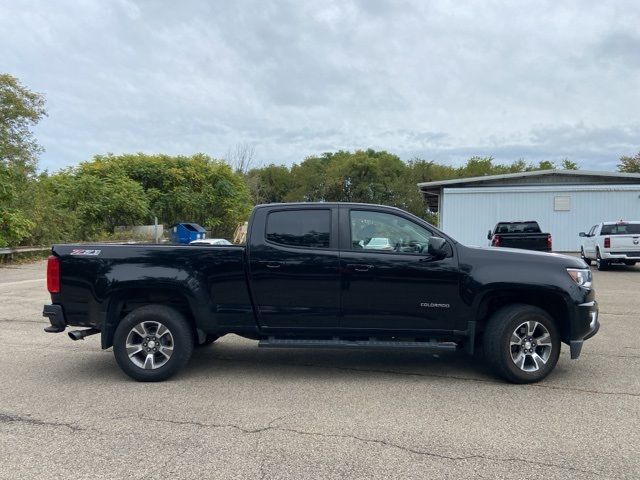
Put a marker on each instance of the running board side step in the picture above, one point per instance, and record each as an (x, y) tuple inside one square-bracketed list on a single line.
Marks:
[(274, 342)]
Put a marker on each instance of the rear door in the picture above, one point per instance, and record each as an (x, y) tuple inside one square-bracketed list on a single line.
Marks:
[(389, 281), (294, 267)]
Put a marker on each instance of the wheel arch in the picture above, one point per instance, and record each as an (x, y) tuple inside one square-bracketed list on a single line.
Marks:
[(552, 302), (124, 301)]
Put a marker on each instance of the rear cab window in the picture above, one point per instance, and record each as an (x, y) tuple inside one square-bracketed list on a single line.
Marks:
[(518, 227), (621, 229), (299, 228)]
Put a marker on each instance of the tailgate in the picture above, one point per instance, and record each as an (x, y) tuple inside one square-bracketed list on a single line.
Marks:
[(526, 242), (625, 243)]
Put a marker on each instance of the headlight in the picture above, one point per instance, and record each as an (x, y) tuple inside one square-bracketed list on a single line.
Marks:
[(582, 276)]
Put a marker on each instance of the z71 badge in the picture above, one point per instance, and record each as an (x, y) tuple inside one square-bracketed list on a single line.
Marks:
[(88, 253)]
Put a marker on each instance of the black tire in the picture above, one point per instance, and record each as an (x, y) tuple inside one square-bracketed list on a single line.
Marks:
[(208, 340), (499, 352), (600, 263), (585, 259), (181, 344), (629, 263)]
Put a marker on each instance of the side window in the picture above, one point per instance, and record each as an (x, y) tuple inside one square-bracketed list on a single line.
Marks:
[(300, 228), (592, 231), (387, 232)]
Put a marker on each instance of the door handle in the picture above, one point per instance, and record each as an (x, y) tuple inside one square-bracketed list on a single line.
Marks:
[(270, 264), (358, 267)]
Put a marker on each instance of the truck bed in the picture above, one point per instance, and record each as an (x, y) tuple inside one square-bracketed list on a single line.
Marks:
[(526, 241), (210, 279)]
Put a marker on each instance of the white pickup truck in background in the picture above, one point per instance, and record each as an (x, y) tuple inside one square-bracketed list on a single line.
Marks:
[(611, 242)]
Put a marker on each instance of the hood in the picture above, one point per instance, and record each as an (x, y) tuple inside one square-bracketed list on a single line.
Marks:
[(517, 254)]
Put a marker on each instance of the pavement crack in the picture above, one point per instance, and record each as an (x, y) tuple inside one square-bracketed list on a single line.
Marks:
[(452, 377), (382, 442), (609, 355), (468, 379), (8, 418), (164, 464), (586, 390)]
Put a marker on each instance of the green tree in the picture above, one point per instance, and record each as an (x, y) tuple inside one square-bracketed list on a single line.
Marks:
[(20, 109), (545, 165), (270, 184), (103, 203), (179, 188), (569, 165), (629, 164), (363, 176)]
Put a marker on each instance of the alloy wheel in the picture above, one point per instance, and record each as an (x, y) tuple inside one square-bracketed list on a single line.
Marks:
[(530, 346), (149, 345)]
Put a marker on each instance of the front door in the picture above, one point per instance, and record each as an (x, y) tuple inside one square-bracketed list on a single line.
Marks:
[(389, 280), (294, 269), (590, 243)]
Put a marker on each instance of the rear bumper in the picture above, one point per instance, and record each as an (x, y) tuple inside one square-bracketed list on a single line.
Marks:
[(55, 314), (586, 324), (620, 256)]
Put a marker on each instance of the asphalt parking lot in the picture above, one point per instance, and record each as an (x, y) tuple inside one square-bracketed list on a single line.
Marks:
[(67, 411)]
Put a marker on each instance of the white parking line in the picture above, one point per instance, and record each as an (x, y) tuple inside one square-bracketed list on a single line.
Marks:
[(2, 284)]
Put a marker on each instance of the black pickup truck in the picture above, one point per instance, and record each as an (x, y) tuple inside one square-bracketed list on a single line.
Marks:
[(331, 275), (524, 235)]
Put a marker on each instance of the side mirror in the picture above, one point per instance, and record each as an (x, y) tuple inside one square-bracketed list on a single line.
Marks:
[(437, 247), (582, 234), (489, 235)]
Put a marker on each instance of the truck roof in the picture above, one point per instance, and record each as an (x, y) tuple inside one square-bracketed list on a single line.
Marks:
[(324, 204)]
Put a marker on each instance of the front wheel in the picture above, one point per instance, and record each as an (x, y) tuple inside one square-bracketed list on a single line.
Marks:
[(584, 259), (629, 263), (152, 343), (521, 343)]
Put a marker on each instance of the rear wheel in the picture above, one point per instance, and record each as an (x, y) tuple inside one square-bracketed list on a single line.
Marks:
[(600, 263), (152, 343), (585, 259), (521, 343)]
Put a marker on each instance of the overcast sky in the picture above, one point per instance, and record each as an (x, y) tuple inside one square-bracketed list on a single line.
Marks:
[(438, 80)]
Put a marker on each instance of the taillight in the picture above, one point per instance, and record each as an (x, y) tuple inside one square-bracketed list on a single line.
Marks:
[(607, 242), (549, 242), (496, 241), (53, 274)]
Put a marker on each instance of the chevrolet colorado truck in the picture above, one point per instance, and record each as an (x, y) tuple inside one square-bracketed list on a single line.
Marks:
[(332, 275), (525, 235)]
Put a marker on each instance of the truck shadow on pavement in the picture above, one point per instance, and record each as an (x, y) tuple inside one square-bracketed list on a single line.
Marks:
[(235, 358), (232, 356), (304, 363)]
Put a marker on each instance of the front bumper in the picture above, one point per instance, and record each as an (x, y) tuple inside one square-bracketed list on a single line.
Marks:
[(585, 326), (55, 314)]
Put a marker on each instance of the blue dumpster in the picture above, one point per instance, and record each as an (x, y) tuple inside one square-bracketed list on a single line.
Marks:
[(187, 232)]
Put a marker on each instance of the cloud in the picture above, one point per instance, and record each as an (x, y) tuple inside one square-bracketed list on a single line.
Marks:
[(439, 80)]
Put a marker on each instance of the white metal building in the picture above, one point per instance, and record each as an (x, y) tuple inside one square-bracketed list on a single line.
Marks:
[(563, 202)]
